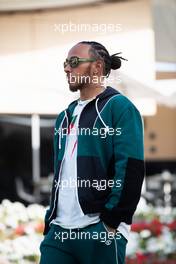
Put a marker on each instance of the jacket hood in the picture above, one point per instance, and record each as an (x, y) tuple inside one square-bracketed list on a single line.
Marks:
[(108, 92)]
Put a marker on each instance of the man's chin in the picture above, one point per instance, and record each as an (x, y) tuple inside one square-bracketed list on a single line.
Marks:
[(74, 88)]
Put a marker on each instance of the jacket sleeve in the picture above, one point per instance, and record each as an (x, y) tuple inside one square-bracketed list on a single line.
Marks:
[(129, 168), (46, 222), (55, 152)]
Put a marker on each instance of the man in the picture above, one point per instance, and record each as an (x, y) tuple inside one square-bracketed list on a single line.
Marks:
[(98, 168)]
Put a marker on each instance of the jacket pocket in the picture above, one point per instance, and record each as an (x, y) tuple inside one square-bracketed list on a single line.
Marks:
[(93, 179)]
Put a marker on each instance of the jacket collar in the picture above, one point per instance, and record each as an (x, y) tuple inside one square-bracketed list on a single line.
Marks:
[(108, 92)]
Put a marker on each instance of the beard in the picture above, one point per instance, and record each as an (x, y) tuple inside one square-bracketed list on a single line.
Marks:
[(78, 81), (75, 87)]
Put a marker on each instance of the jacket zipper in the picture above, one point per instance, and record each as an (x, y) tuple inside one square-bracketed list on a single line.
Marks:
[(59, 173), (64, 157)]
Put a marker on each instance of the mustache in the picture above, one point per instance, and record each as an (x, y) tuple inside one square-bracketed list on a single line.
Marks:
[(77, 75)]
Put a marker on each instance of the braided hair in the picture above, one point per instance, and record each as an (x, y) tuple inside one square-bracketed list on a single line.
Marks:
[(100, 52)]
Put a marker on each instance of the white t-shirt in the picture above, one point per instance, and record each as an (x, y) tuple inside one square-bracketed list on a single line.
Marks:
[(69, 212)]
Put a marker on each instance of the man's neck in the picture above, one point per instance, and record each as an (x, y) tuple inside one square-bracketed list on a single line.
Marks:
[(90, 92)]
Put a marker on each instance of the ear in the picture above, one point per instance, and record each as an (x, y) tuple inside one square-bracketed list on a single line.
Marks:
[(97, 68)]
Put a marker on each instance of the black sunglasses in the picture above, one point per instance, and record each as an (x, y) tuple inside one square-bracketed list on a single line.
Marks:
[(75, 61)]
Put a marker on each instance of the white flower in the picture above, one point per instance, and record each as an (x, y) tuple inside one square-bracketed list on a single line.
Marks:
[(145, 233), (170, 245), (35, 211), (133, 244), (155, 244)]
